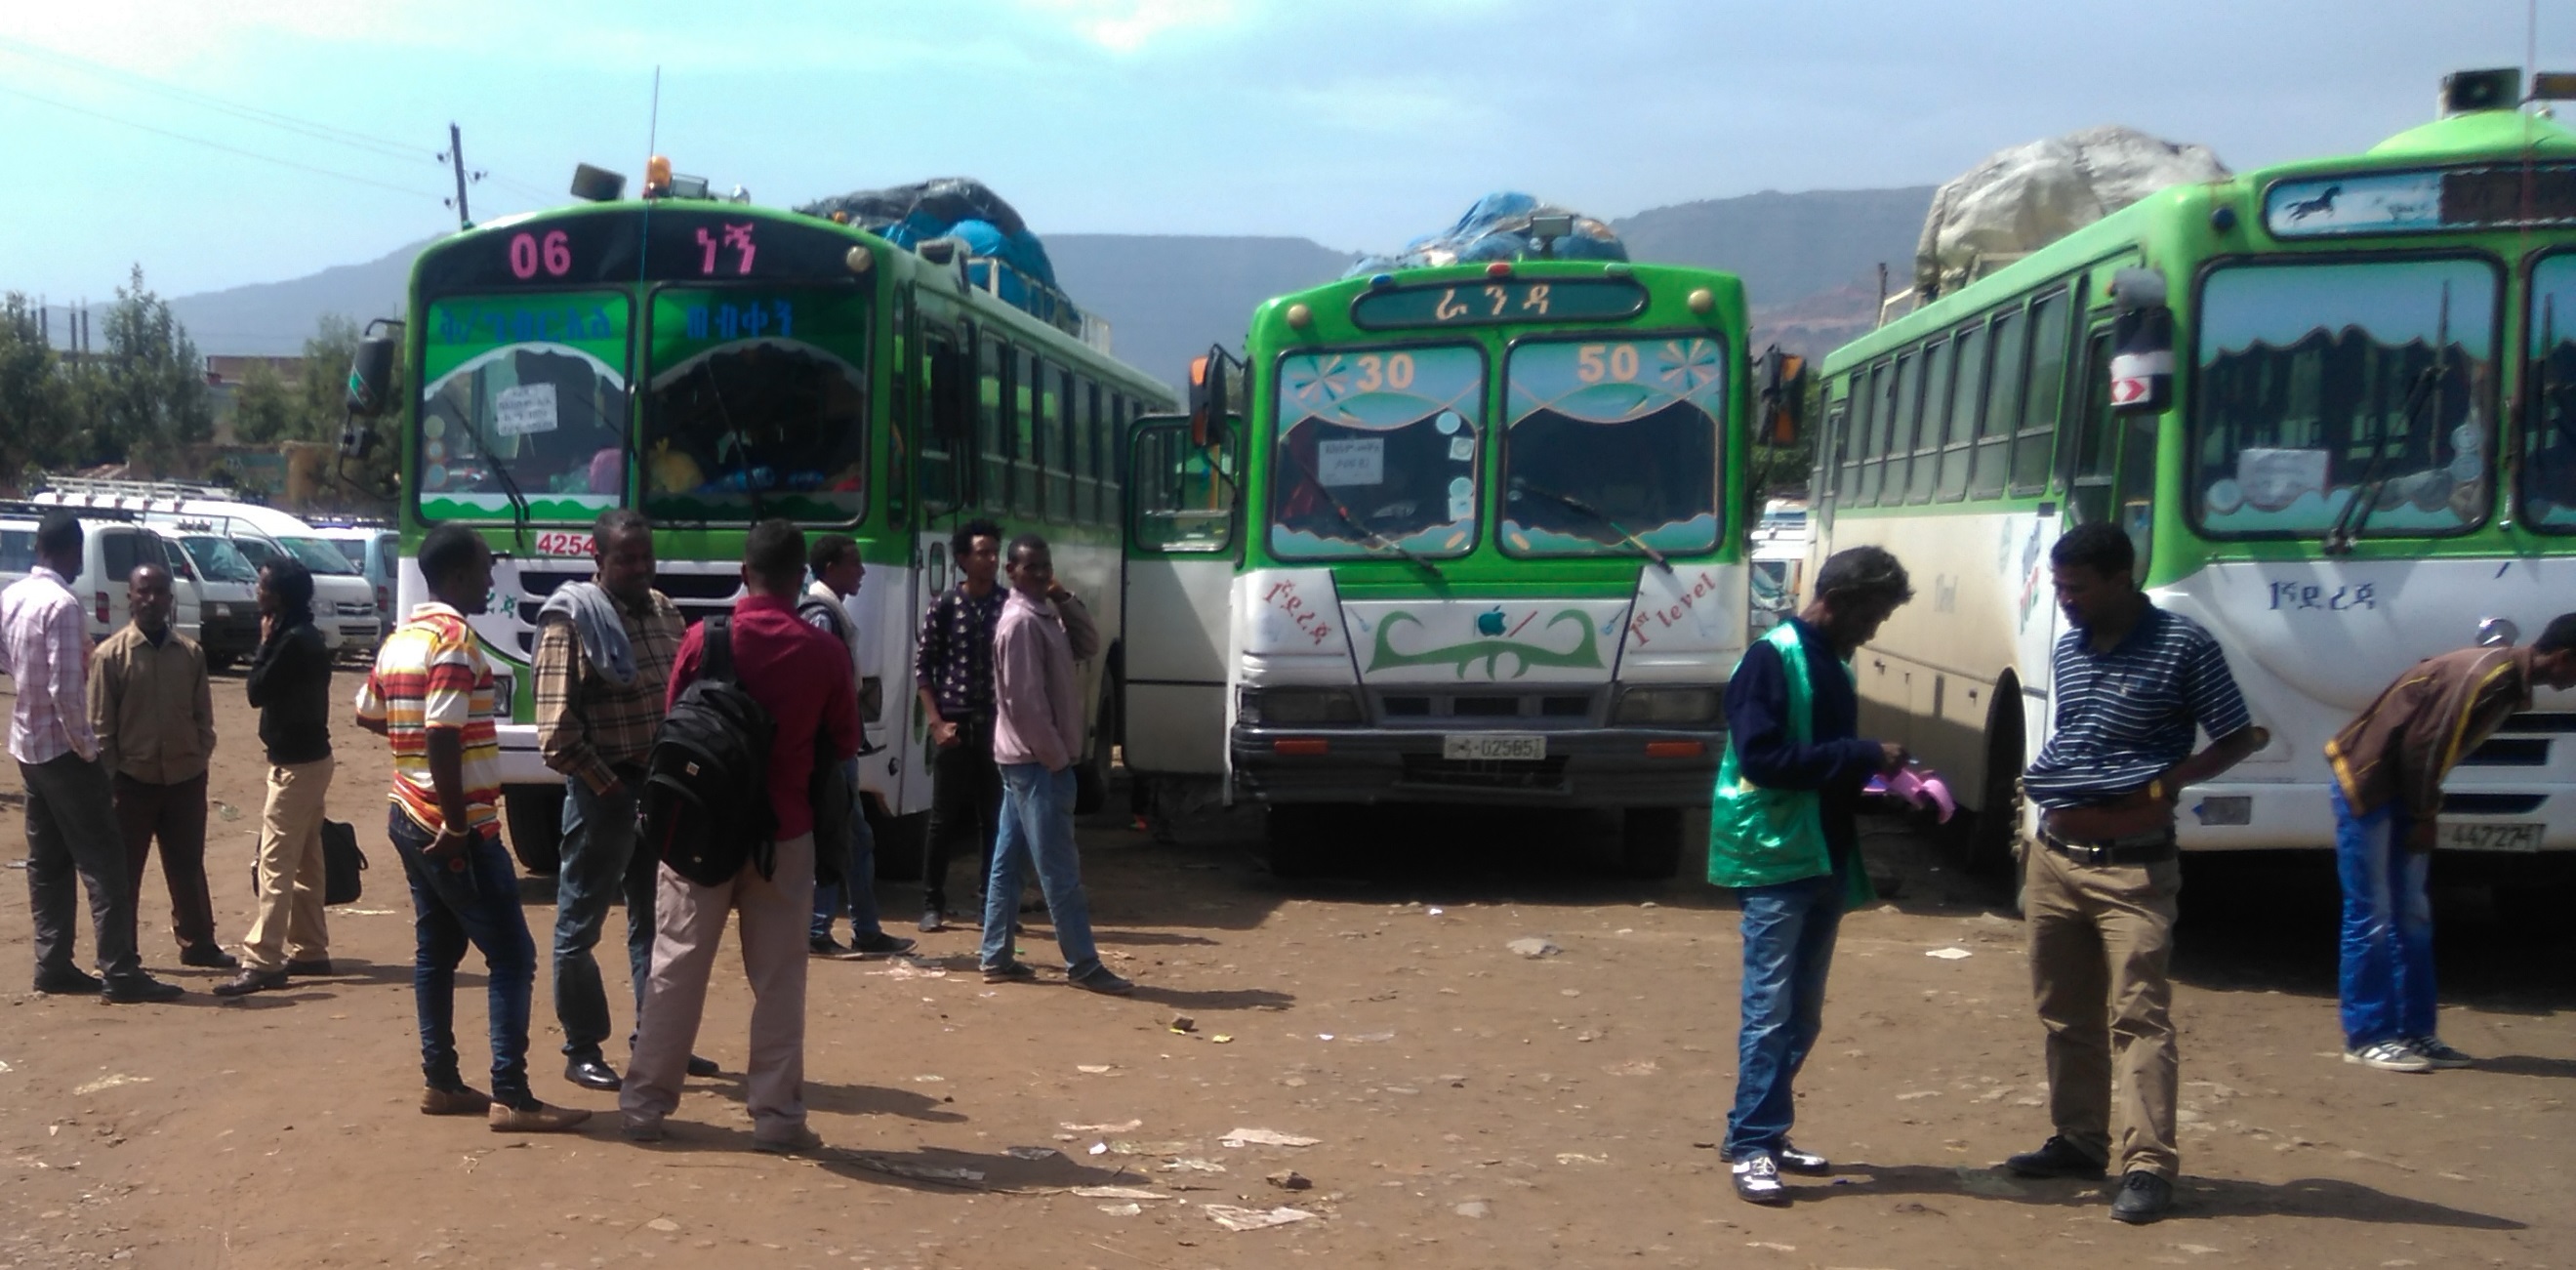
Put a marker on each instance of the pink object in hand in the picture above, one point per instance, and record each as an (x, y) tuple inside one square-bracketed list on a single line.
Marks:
[(1923, 787)]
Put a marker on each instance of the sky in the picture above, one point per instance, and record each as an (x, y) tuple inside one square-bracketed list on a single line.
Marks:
[(258, 140)]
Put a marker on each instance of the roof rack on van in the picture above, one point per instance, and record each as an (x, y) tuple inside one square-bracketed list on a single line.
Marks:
[(38, 511), (99, 486), (347, 522)]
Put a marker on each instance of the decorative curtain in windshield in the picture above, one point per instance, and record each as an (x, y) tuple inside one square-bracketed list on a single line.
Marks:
[(524, 392), (2317, 380), (2549, 455), (759, 405), (1378, 452), (1613, 444)]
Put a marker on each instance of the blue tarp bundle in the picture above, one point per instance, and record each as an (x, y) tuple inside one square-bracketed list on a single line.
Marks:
[(1497, 228), (949, 207)]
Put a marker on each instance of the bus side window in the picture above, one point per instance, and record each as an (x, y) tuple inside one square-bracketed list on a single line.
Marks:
[(900, 413), (1183, 503), (1927, 434), (1087, 440), (1968, 391), (1830, 467), (2040, 405), (1121, 413), (945, 441), (1909, 416), (1851, 437), (1023, 398), (1993, 466), (1882, 425), (992, 435), (1059, 448)]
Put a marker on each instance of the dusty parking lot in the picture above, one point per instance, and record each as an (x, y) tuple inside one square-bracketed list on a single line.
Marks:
[(1469, 1106)]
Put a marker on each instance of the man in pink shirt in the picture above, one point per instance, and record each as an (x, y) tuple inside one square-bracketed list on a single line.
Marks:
[(71, 809), (803, 678), (1037, 738)]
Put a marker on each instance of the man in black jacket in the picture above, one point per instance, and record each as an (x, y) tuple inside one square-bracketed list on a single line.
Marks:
[(290, 683)]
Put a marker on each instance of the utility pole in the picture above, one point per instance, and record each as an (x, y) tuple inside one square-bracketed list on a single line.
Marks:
[(456, 155)]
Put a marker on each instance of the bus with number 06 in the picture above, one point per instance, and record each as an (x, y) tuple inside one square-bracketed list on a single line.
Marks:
[(2333, 403), (711, 364), (1476, 536)]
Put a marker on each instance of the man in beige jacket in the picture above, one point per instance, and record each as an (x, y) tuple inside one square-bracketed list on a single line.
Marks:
[(154, 714)]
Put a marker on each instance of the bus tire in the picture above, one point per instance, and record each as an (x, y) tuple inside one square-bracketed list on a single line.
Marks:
[(534, 815), (1989, 840), (1091, 775), (1650, 842), (1294, 836)]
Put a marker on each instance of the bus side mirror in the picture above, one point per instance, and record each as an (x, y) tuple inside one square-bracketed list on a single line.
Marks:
[(1780, 387), (2142, 342), (371, 376), (1208, 395)]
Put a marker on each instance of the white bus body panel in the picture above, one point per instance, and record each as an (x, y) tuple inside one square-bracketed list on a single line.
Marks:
[(1176, 613)]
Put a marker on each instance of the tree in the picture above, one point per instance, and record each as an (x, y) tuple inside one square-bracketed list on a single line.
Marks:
[(39, 411), (265, 409), (152, 396)]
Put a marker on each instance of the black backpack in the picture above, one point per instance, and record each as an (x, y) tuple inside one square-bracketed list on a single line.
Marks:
[(706, 787)]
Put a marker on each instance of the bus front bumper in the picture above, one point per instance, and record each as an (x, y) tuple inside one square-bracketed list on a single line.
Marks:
[(1589, 767)]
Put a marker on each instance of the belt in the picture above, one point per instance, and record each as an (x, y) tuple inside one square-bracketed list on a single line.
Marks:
[(2140, 848)]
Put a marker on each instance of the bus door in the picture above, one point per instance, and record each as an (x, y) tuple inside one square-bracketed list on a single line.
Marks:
[(1182, 548), (2112, 475)]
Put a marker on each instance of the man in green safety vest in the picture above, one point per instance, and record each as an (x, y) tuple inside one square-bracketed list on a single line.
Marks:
[(1782, 834)]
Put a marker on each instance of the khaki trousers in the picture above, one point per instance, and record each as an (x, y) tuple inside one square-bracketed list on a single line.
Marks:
[(689, 923), (287, 924), (2100, 941)]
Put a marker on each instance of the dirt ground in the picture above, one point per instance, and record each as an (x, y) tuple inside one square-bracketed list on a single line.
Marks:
[(1469, 1106)]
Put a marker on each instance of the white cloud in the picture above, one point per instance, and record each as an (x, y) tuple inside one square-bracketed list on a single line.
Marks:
[(1127, 26)]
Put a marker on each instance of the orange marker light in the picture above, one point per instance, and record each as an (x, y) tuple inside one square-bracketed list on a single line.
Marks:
[(1675, 749), (1499, 269), (1302, 745), (657, 177)]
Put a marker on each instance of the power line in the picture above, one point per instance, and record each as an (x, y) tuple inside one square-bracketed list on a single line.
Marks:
[(217, 145), (379, 146)]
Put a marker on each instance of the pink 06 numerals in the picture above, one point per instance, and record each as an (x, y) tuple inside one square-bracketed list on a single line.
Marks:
[(736, 237), (527, 254)]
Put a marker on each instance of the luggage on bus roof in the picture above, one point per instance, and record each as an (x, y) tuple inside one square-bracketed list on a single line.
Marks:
[(1497, 228), (942, 207)]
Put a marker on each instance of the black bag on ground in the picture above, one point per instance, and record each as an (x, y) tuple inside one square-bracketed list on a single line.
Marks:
[(706, 785), (342, 863)]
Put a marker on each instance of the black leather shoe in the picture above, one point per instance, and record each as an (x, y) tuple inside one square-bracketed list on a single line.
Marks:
[(250, 981), (825, 946), (2056, 1157), (2143, 1198), (930, 921), (880, 944), (592, 1073), (67, 983), (703, 1067), (313, 968), (209, 957), (140, 990)]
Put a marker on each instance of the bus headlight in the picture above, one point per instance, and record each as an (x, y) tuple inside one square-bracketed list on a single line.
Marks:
[(1300, 707), (1666, 706)]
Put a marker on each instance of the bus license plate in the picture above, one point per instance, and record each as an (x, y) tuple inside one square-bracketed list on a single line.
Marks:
[(2460, 837), (1491, 748)]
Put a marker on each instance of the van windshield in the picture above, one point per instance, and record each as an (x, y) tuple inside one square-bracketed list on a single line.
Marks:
[(219, 559), (320, 556)]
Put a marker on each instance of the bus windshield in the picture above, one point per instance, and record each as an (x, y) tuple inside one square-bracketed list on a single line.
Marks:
[(1612, 447), (523, 399), (2317, 379), (758, 404), (219, 559), (1378, 452), (2549, 472)]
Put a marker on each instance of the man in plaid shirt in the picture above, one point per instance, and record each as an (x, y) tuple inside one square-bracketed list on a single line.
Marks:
[(71, 809), (953, 671)]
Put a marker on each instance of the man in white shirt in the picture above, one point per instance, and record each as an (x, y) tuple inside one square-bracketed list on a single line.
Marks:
[(71, 809)]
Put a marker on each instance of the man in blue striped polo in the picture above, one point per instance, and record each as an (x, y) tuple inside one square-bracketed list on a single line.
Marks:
[(2133, 684)]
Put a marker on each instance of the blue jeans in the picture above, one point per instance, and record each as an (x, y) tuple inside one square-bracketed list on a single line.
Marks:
[(1037, 825), (858, 874), (600, 864), (2387, 987), (477, 904), (1788, 949)]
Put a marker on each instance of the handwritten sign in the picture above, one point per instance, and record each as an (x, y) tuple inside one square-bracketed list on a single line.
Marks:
[(1478, 303), (527, 408), (1283, 596), (1354, 461), (1687, 594)]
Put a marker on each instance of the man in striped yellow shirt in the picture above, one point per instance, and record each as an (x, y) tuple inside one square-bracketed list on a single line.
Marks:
[(431, 696)]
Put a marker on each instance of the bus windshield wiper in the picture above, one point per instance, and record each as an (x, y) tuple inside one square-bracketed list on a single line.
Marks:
[(741, 444), (1579, 507), (1343, 514), (519, 512), (2355, 517)]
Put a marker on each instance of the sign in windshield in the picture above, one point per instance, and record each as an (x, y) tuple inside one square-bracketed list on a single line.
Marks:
[(1612, 445), (2422, 202), (1378, 452)]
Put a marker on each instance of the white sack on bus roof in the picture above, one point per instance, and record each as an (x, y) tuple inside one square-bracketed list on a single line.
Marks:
[(2022, 199)]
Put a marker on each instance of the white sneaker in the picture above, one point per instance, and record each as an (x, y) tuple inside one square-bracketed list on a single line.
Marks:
[(2439, 1055), (1757, 1181), (2389, 1056)]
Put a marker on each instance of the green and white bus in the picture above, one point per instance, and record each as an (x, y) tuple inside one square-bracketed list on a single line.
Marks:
[(1479, 538), (713, 363), (2334, 403)]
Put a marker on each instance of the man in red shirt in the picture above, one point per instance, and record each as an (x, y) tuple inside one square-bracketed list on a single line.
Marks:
[(802, 677)]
